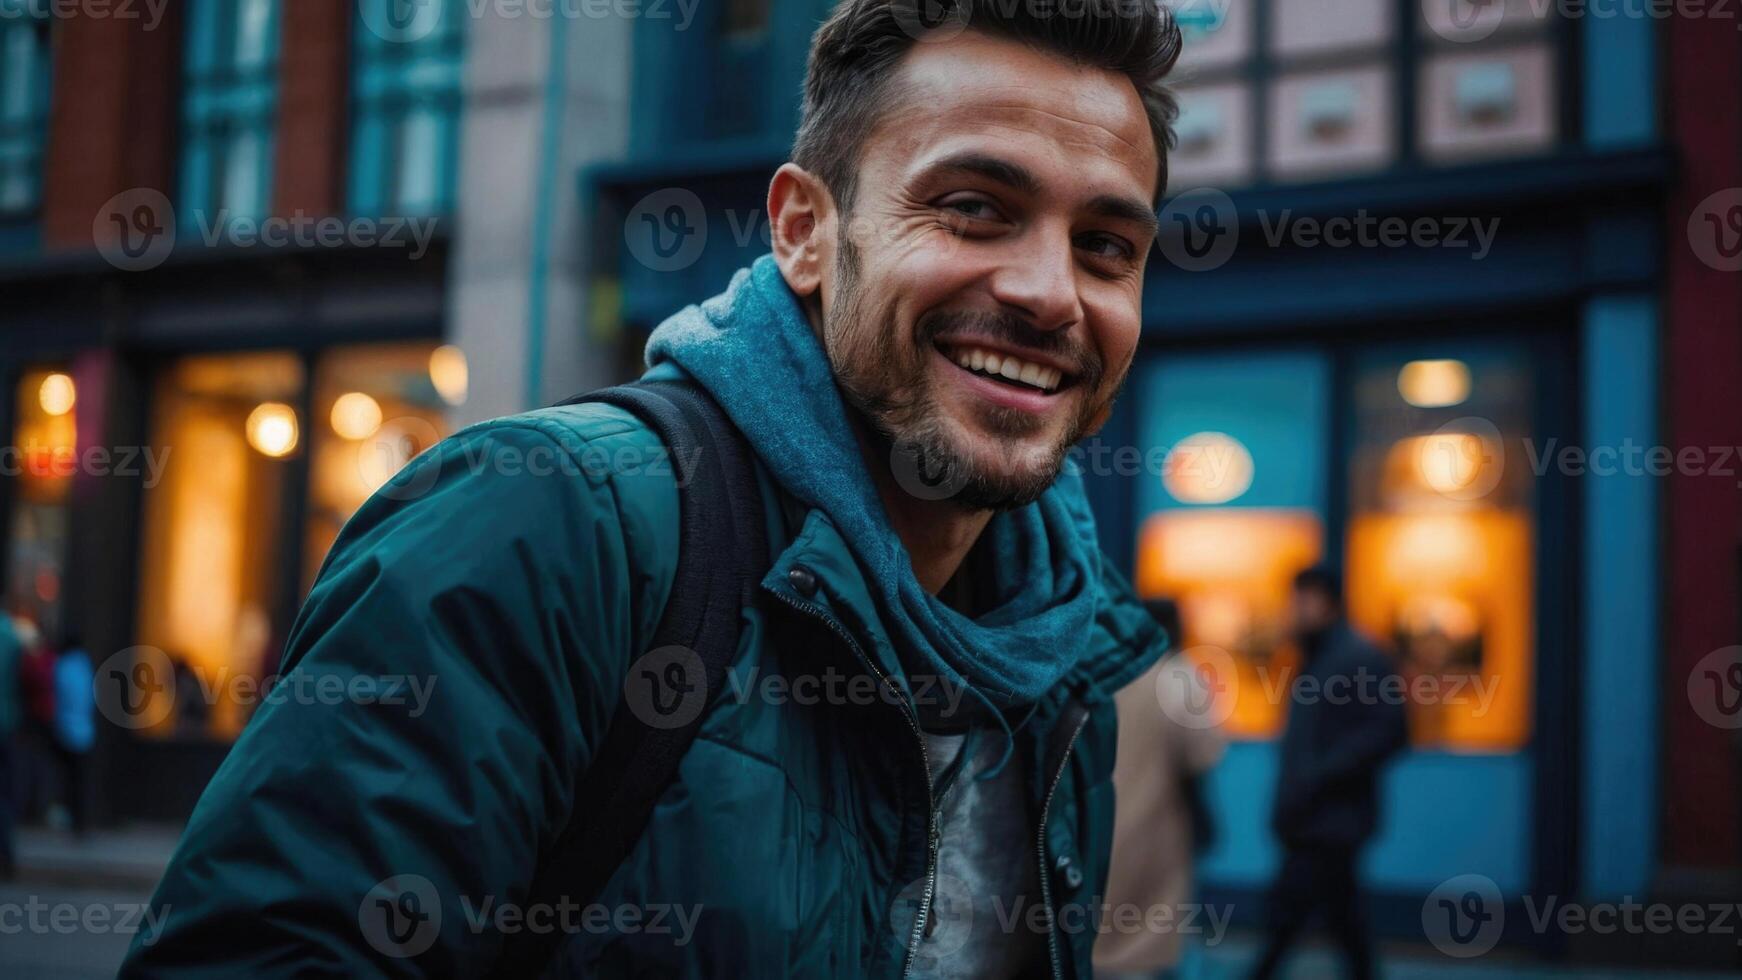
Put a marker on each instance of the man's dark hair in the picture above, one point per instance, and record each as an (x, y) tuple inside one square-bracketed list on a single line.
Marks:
[(1323, 579), (856, 51)]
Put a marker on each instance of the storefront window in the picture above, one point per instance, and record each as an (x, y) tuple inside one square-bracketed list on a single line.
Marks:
[(375, 407), (1233, 513), (211, 549), (43, 458), (1441, 538), (233, 537)]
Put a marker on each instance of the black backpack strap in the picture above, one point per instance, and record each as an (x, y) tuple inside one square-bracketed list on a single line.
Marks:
[(722, 555)]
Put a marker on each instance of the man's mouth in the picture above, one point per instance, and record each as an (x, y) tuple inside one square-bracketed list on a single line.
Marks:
[(1006, 368)]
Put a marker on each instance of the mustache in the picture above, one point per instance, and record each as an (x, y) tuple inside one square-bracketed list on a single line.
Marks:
[(1083, 362)]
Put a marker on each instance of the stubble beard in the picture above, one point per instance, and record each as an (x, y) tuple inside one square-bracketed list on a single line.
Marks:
[(883, 375)]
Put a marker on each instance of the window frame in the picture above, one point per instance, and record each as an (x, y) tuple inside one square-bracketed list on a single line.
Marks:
[(1405, 56)]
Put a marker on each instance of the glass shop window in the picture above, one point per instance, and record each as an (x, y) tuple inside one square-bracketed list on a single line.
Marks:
[(209, 571), (218, 567), (42, 458), (375, 408), (1232, 512), (1441, 538)]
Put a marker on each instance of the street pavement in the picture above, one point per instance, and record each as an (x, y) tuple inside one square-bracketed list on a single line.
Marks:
[(77, 904)]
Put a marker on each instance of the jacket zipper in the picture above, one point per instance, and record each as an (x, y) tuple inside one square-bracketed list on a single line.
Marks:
[(931, 812), (1052, 939)]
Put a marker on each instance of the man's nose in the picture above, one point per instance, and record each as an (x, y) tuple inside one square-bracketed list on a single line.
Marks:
[(1041, 286)]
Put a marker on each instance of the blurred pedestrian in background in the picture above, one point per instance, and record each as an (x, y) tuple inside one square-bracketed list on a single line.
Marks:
[(11, 713), (1341, 729), (75, 729), (1167, 742), (35, 780)]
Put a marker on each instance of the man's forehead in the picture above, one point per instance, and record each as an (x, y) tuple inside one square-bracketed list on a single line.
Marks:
[(979, 85)]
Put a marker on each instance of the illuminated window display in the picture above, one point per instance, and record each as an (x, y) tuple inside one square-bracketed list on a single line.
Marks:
[(375, 407), (1234, 513), (1441, 538), (1438, 533), (211, 536), (240, 433), (44, 447)]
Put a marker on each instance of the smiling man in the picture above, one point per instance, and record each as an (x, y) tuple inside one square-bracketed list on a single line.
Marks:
[(901, 764)]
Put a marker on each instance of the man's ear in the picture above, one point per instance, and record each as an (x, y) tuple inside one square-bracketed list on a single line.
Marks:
[(799, 207)]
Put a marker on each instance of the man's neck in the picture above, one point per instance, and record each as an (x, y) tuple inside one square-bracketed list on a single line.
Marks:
[(938, 534)]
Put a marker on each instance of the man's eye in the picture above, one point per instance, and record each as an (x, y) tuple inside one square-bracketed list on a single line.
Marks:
[(1105, 245), (972, 207)]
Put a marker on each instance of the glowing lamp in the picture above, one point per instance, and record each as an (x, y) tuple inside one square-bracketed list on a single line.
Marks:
[(355, 415), (57, 394), (272, 429), (1434, 384), (1207, 468), (447, 371)]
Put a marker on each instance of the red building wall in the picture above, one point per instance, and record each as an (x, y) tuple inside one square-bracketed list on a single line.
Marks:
[(1702, 371)]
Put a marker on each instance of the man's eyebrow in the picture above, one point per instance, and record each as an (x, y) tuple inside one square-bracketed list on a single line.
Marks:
[(1126, 209), (1012, 175)]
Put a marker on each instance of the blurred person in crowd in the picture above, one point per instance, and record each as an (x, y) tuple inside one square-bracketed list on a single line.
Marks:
[(11, 715), (36, 687), (1340, 731), (1168, 741), (953, 300), (75, 728)]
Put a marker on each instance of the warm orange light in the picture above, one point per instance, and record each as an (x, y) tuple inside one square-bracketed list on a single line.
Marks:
[(1207, 468), (355, 415), (57, 394), (448, 372), (1230, 570), (1434, 384), (1449, 461), (272, 429)]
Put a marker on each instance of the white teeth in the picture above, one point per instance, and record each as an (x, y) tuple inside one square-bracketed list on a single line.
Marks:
[(1003, 365)]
